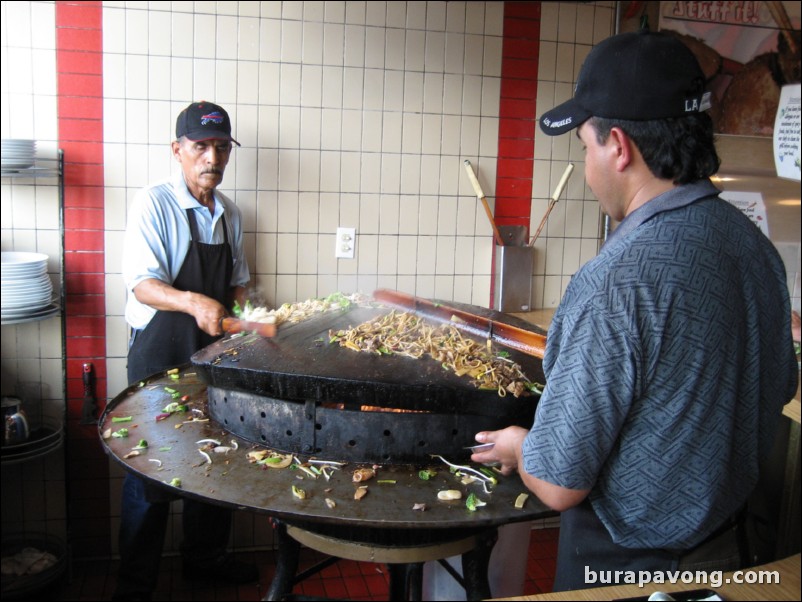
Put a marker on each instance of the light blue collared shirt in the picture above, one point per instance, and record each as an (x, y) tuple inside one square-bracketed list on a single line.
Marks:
[(157, 238)]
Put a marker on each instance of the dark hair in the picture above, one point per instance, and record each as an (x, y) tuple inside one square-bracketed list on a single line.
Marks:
[(680, 149)]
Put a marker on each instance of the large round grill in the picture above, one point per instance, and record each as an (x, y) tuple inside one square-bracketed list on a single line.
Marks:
[(297, 393)]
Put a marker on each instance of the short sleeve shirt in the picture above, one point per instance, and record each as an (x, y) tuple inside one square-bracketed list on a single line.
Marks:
[(157, 238), (667, 365)]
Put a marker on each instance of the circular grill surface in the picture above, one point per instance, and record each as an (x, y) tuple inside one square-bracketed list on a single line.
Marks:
[(298, 393)]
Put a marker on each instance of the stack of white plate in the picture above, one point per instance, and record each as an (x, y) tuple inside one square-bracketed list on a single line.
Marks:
[(17, 154), (26, 288)]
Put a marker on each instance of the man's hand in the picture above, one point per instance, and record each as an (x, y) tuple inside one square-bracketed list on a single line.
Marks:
[(508, 451), (206, 311)]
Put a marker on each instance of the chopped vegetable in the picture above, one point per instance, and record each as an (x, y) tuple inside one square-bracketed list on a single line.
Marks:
[(172, 371), (363, 474), (360, 492), (481, 476), (205, 455), (426, 474), (298, 492), (131, 454), (107, 433), (330, 502), (387, 481), (176, 482), (203, 441), (174, 406), (142, 444), (156, 461), (449, 494), (122, 433), (165, 448), (420, 507), (122, 418), (521, 500), (473, 502)]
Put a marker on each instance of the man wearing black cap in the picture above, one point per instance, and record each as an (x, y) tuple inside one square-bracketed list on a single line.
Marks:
[(670, 356), (183, 265)]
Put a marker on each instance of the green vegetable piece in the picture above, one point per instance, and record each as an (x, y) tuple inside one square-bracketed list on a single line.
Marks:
[(169, 389), (122, 418), (176, 482), (473, 502), (122, 433), (143, 444)]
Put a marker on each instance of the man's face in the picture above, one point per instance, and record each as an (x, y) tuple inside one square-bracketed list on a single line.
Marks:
[(203, 162), (599, 172)]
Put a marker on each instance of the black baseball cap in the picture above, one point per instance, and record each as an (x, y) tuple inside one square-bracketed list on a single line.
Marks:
[(636, 76), (204, 121)]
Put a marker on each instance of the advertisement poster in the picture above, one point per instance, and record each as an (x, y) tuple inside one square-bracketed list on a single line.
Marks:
[(746, 50), (786, 133), (751, 205)]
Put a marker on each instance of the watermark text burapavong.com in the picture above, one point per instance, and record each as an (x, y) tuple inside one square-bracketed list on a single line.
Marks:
[(713, 579)]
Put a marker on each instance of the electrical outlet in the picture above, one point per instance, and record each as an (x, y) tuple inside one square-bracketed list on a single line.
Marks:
[(345, 243)]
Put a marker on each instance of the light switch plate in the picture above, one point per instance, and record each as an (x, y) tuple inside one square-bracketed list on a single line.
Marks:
[(345, 243)]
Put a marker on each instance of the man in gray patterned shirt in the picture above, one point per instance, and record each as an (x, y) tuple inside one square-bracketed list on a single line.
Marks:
[(670, 356)]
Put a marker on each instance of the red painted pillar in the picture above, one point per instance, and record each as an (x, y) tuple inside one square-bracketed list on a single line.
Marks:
[(79, 69), (517, 113)]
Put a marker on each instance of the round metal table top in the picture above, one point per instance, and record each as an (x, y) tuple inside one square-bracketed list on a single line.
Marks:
[(231, 480)]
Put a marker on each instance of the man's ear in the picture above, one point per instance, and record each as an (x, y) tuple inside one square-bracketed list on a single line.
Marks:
[(622, 147), (176, 147)]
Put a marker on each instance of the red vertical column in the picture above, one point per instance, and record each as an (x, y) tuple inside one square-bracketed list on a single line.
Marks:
[(79, 69), (517, 113)]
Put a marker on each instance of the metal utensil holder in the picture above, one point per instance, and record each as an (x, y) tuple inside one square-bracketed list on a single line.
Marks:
[(514, 263)]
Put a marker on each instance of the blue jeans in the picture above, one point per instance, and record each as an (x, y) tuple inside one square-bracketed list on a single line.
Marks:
[(144, 513)]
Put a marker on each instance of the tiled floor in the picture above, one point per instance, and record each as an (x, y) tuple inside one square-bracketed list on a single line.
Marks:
[(345, 579)]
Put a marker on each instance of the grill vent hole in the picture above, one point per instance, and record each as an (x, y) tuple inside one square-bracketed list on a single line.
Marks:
[(421, 443), (288, 433), (387, 432), (318, 426), (351, 443)]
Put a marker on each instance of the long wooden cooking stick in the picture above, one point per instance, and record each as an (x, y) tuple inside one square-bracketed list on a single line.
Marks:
[(477, 188), (525, 341)]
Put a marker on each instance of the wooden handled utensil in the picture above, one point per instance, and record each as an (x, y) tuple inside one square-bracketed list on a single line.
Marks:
[(525, 341), (234, 325), (477, 188), (554, 198)]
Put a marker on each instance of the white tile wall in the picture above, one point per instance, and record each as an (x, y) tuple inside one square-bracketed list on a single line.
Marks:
[(573, 230)]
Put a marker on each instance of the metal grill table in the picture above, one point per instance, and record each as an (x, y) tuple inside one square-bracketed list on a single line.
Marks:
[(250, 379)]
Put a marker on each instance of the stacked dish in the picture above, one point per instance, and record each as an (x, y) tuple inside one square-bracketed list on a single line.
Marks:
[(27, 292), (17, 154)]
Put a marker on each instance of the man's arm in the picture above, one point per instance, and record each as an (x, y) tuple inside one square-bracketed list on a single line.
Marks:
[(508, 451), (159, 295)]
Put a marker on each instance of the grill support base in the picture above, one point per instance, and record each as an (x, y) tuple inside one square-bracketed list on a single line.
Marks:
[(404, 563)]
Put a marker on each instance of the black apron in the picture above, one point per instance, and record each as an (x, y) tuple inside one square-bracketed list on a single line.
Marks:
[(171, 337), (587, 556)]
